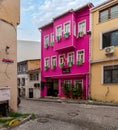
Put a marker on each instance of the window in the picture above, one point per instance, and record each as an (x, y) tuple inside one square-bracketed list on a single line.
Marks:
[(46, 63), (104, 15), (54, 61), (82, 27), (78, 83), (67, 28), (23, 81), (52, 39), (18, 81), (61, 59), (59, 31), (111, 12), (53, 64), (74, 29), (114, 11), (80, 57), (34, 77), (70, 59), (46, 41), (111, 74), (68, 83), (110, 39)]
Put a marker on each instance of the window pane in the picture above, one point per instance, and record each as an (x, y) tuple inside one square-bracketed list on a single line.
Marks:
[(106, 40), (54, 61), (104, 15), (81, 56), (114, 38), (67, 27), (115, 76), (114, 11), (59, 31), (74, 29), (107, 76), (82, 27)]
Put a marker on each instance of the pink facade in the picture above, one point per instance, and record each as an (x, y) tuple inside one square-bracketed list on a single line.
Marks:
[(65, 58)]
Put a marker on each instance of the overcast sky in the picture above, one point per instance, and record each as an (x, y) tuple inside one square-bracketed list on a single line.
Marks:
[(35, 13)]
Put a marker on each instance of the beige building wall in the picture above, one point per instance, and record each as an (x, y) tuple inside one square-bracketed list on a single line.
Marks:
[(10, 11), (99, 90), (9, 18)]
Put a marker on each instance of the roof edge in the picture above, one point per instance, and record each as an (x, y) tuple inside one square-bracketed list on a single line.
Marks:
[(103, 4), (89, 4)]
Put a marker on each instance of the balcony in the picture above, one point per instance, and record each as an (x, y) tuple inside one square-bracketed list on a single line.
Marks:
[(66, 42)]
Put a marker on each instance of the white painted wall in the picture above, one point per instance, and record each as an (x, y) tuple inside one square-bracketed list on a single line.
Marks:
[(27, 50)]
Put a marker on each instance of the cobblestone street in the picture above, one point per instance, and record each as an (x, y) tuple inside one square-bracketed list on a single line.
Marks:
[(64, 116)]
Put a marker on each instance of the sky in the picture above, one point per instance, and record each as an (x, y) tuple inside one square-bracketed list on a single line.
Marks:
[(35, 13)]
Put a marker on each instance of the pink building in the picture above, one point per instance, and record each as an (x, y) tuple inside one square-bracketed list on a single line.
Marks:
[(65, 54)]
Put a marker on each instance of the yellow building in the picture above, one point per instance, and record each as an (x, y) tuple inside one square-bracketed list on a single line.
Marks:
[(104, 52), (9, 19)]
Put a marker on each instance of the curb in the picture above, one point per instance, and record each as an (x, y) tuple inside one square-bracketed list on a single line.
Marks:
[(87, 102)]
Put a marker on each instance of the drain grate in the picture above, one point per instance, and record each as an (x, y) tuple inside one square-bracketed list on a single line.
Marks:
[(42, 120)]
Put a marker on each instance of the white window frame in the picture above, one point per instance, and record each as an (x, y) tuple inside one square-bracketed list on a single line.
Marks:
[(46, 44), (74, 28), (106, 31), (52, 37), (52, 60), (60, 34), (83, 55), (71, 57), (45, 63), (63, 59), (83, 30), (80, 81), (65, 27), (67, 81)]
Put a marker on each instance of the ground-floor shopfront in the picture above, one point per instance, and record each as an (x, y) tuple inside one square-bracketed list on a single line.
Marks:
[(69, 86)]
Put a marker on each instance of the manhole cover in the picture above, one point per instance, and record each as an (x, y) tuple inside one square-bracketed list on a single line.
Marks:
[(42, 120), (72, 114)]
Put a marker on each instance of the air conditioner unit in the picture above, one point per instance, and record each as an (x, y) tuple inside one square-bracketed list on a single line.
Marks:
[(109, 50)]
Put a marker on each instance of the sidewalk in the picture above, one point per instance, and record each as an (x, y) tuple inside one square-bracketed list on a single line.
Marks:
[(62, 100)]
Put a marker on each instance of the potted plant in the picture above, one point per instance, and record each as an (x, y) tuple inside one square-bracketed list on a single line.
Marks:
[(52, 44), (67, 89), (81, 34), (79, 62), (61, 65), (70, 63), (77, 92), (58, 38), (46, 45), (66, 35), (46, 67)]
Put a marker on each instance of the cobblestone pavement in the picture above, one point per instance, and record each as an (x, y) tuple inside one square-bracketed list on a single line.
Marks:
[(64, 116)]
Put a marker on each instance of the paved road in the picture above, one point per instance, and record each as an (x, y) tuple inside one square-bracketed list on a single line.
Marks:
[(64, 116)]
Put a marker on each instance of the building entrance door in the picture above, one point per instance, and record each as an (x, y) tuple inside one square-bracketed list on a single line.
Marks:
[(52, 87), (30, 92)]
